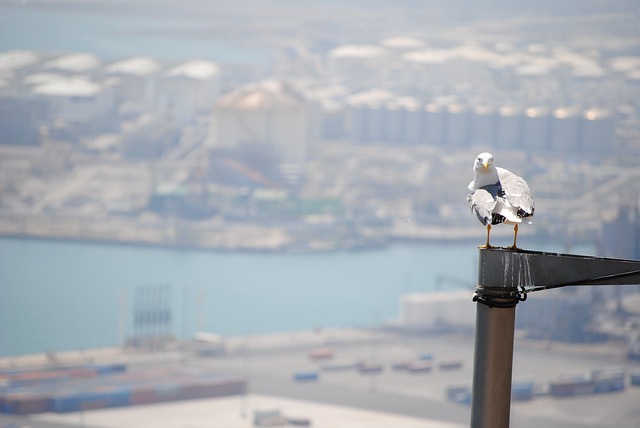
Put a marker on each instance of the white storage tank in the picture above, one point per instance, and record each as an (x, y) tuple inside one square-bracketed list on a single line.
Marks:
[(414, 123), (435, 124), (436, 310), (483, 126), (394, 126), (359, 65), (403, 121), (376, 118), (189, 89), (536, 129), (264, 113), (598, 131), (74, 98), (458, 126), (509, 128), (365, 115), (72, 64), (565, 130), (427, 67), (137, 78), (356, 122), (632, 84)]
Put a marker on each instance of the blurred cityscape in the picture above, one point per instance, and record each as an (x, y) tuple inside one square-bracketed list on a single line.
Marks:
[(338, 139), (352, 125)]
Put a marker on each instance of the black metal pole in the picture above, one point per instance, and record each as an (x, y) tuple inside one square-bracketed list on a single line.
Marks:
[(492, 369), (503, 277), (496, 296)]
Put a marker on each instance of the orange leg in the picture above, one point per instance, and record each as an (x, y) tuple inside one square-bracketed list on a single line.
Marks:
[(515, 237), (487, 245)]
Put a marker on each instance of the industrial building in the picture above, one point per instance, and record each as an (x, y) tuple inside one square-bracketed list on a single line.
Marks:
[(442, 311), (136, 81), (189, 90), (268, 117)]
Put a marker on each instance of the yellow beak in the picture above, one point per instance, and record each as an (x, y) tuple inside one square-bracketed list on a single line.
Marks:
[(485, 166)]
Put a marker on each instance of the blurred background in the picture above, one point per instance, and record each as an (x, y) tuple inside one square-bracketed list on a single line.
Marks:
[(254, 213)]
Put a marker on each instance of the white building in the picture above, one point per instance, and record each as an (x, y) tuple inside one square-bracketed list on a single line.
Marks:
[(137, 80), (189, 89), (434, 311), (76, 63), (262, 115), (359, 66), (73, 99)]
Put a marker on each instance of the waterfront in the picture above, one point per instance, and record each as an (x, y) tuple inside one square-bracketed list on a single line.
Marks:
[(68, 295), (62, 295)]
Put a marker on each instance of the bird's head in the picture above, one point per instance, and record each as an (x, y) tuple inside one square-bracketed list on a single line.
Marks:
[(483, 163)]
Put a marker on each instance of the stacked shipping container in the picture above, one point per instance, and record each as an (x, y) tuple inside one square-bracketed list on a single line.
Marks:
[(72, 389)]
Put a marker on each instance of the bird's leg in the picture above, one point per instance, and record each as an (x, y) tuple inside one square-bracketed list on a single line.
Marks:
[(515, 236), (487, 245)]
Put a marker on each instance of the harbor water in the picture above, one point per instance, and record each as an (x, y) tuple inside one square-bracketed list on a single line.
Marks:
[(69, 295)]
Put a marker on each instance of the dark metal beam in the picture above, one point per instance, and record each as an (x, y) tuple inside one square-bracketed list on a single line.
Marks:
[(538, 270)]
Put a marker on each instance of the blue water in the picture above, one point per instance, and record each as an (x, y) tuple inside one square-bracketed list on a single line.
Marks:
[(65, 295), (61, 295), (111, 36)]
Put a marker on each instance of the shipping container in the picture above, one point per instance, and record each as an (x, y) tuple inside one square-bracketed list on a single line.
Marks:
[(608, 380), (401, 365), (341, 365), (522, 390), (419, 367), (118, 389), (572, 384), (268, 417), (450, 364), (25, 404), (305, 376), (459, 394), (321, 353), (370, 368), (298, 422)]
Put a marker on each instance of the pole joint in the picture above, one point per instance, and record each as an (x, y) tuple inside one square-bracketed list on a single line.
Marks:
[(499, 297)]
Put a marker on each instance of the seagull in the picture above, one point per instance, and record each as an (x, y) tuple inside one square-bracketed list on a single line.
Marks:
[(498, 196)]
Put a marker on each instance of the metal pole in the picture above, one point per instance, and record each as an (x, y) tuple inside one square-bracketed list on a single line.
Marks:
[(492, 369), (504, 279)]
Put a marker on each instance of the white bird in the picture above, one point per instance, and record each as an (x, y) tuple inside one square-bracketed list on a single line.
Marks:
[(498, 196)]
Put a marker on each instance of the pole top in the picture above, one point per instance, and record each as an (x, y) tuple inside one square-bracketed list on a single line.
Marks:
[(505, 275)]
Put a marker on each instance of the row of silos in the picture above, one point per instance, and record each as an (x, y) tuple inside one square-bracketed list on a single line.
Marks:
[(80, 87), (408, 122)]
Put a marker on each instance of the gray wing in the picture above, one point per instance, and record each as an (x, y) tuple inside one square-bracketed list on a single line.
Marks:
[(482, 204), (516, 191)]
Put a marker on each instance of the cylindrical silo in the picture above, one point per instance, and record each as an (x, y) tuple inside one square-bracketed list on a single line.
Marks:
[(394, 123), (565, 130), (483, 126), (632, 84), (356, 122), (414, 123), (435, 124), (536, 129), (509, 131), (332, 121), (375, 122), (457, 126), (598, 131)]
